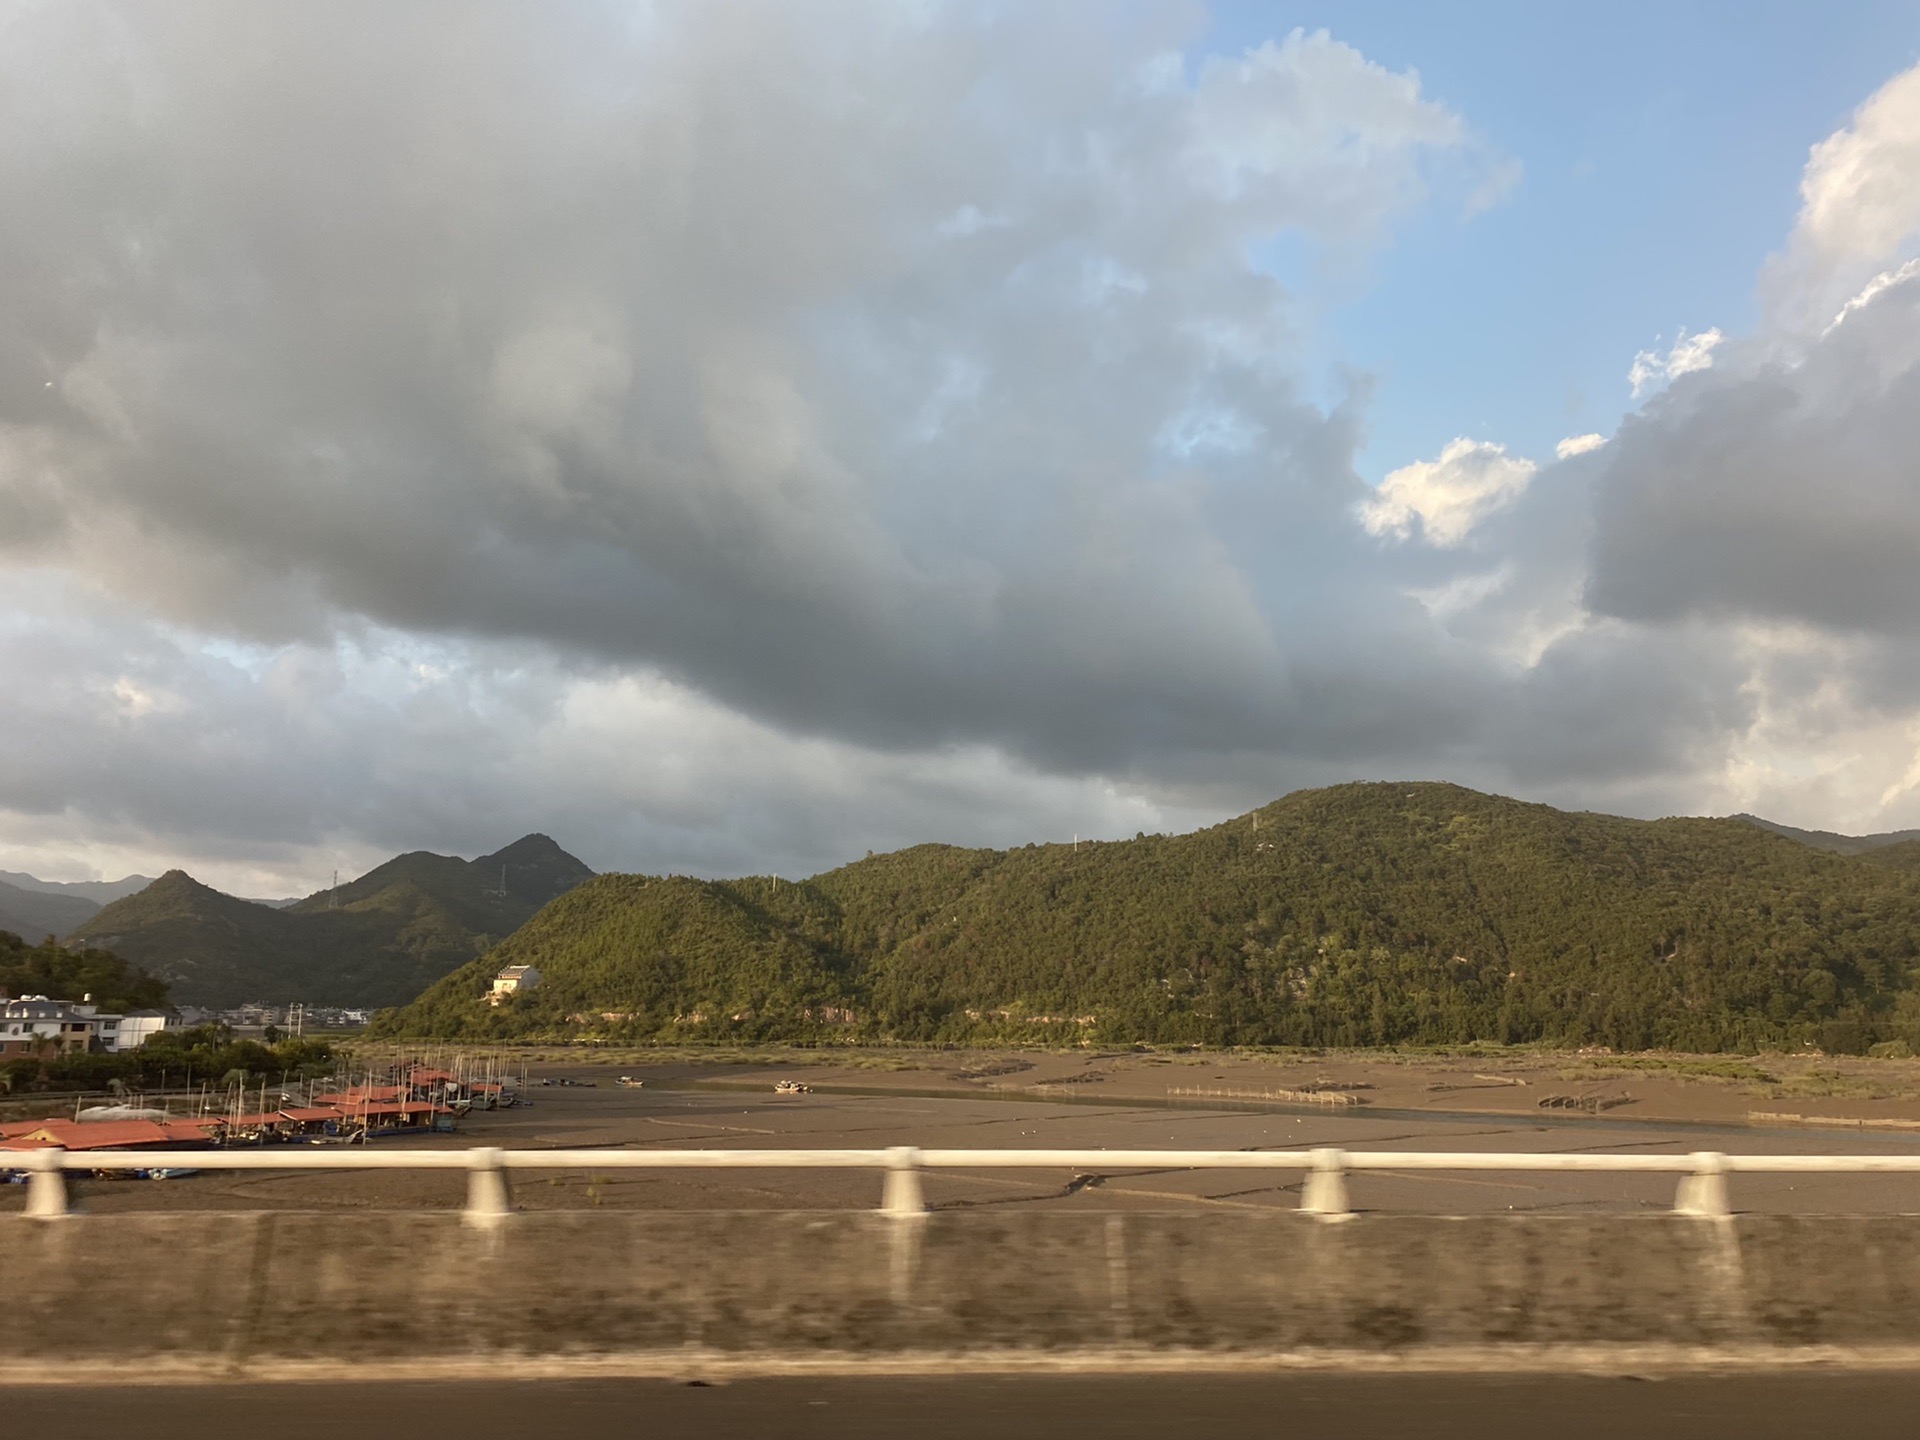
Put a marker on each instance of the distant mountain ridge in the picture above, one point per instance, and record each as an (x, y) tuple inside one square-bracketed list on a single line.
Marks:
[(375, 940), (34, 908), (99, 892), (35, 914), (530, 871), (1829, 840)]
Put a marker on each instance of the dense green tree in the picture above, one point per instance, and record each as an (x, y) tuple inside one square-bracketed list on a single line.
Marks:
[(209, 1052), (48, 969)]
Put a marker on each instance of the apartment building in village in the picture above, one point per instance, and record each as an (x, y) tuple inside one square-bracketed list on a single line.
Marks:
[(35, 1025)]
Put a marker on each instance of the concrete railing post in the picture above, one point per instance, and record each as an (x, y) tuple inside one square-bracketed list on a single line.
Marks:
[(902, 1194), (46, 1184), (1325, 1192), (486, 1186), (1704, 1192)]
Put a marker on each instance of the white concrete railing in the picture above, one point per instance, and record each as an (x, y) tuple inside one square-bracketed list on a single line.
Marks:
[(1702, 1191)]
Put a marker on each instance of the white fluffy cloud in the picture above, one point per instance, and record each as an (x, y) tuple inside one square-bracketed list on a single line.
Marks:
[(1687, 354), (1447, 497), (1310, 129), (1859, 207)]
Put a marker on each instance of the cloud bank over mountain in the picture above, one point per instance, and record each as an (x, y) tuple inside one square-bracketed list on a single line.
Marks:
[(732, 437)]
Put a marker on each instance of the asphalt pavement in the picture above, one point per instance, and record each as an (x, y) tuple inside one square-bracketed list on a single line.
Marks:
[(1805, 1403)]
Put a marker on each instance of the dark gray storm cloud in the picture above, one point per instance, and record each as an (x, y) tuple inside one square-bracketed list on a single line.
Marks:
[(891, 377), (748, 434), (1783, 486)]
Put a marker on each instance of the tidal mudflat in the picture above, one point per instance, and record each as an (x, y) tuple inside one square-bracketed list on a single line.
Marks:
[(1133, 1100)]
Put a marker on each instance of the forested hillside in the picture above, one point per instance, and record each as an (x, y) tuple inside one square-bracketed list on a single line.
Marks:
[(1362, 914), (27, 969), (374, 941)]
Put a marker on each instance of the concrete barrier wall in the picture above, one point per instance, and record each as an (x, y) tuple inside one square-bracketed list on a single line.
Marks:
[(253, 1292)]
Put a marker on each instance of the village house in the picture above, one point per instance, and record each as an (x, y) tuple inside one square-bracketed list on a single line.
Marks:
[(37, 1025), (514, 980)]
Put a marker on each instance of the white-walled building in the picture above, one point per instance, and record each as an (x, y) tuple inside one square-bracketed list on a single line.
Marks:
[(36, 1025), (139, 1026), (514, 980)]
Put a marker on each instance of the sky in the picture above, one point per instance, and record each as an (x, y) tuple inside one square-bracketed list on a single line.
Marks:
[(734, 437)]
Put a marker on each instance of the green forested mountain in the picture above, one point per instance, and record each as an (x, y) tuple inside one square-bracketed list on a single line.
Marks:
[(533, 869), (1362, 914), (373, 941), (64, 974), (495, 893)]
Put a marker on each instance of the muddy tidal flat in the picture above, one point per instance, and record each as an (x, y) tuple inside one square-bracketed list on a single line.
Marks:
[(1134, 1100)]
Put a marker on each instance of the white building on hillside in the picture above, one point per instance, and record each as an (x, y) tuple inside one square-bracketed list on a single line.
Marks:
[(514, 980)]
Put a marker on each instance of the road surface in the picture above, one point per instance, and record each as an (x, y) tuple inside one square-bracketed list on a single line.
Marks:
[(1858, 1406)]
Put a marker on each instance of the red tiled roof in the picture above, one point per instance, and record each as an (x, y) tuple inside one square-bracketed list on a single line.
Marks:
[(361, 1094), (311, 1113), (112, 1134), (99, 1134)]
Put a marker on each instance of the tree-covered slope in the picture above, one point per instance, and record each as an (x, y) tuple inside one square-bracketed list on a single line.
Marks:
[(373, 941), (64, 974), (638, 954), (1361, 914), (208, 946)]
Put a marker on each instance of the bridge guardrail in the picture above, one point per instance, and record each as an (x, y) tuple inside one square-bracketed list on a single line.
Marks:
[(1702, 1191)]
